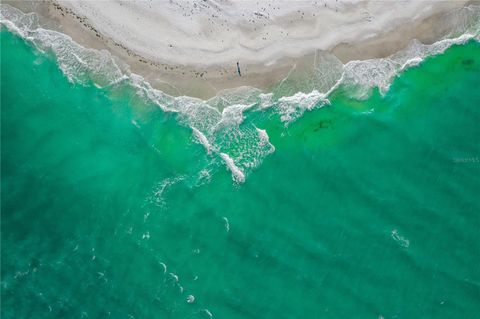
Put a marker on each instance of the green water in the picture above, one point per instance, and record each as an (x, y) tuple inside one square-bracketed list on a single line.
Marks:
[(366, 209)]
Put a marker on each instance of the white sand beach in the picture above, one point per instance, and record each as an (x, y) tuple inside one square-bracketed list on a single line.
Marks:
[(213, 33), (192, 48)]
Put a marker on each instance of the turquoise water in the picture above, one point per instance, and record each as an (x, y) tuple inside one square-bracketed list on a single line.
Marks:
[(366, 208)]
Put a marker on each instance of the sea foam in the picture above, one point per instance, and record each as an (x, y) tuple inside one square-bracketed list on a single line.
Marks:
[(237, 173)]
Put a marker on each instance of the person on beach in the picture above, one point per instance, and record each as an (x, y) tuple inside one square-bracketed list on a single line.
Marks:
[(238, 69)]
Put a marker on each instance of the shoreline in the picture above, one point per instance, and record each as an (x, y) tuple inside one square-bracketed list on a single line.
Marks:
[(206, 81)]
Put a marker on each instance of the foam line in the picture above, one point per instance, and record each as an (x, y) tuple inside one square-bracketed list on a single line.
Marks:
[(237, 174), (202, 139)]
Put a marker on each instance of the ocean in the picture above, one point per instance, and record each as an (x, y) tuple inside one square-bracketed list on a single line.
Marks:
[(120, 202)]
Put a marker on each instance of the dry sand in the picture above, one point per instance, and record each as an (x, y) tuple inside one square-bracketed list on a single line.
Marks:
[(191, 48)]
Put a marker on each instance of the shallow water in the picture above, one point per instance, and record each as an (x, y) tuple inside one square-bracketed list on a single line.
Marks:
[(365, 208)]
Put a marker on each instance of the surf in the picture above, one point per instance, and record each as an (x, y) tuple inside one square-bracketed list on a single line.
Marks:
[(220, 124)]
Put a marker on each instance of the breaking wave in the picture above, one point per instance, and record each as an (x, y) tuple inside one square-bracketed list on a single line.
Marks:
[(218, 124)]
